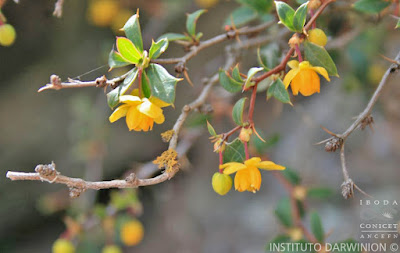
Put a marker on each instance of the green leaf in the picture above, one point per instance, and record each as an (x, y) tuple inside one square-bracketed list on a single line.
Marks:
[(318, 56), (192, 20), (228, 83), (237, 111), (319, 192), (270, 247), (128, 50), (250, 74), (241, 16), (162, 83), (268, 56), (284, 212), (278, 91), (286, 14), (157, 48), (398, 24), (146, 85), (316, 227), (261, 6), (234, 152), (115, 60), (133, 32), (211, 129), (236, 74), (113, 96), (292, 176), (371, 6), (173, 37), (299, 18)]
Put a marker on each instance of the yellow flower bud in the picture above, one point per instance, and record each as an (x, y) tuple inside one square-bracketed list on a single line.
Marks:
[(132, 233), (295, 234), (317, 36), (7, 35), (245, 134), (111, 249), (63, 246), (299, 192), (221, 183), (219, 146)]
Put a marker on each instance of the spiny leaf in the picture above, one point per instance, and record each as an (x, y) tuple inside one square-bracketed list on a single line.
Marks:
[(115, 60), (286, 14), (113, 96), (234, 152), (211, 129), (228, 83), (133, 31), (128, 50), (162, 83), (192, 20), (173, 37), (157, 48), (278, 91), (299, 18)]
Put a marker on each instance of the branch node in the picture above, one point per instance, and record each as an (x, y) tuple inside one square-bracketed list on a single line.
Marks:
[(101, 81), (180, 67), (367, 121), (75, 192), (47, 172), (348, 188), (132, 179), (186, 108), (333, 144)]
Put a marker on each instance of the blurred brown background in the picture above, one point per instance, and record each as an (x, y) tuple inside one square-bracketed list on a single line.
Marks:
[(182, 215)]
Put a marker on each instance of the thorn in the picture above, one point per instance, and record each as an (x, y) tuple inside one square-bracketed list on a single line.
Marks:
[(390, 60), (185, 73), (329, 132)]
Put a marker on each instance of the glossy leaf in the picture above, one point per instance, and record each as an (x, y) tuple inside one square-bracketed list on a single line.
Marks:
[(241, 16), (316, 227), (286, 14), (250, 74), (319, 192), (278, 91), (133, 31), (157, 48), (211, 129), (284, 212), (115, 60), (299, 18), (192, 20), (128, 50), (173, 37), (237, 111), (162, 83), (371, 6), (234, 152), (146, 85), (318, 56), (113, 96), (228, 83)]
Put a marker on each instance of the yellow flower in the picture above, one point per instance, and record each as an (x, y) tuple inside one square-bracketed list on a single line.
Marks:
[(132, 233), (63, 246), (303, 77), (141, 113), (248, 176)]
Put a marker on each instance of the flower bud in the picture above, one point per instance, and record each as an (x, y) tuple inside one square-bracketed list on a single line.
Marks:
[(63, 246), (132, 233), (7, 35), (314, 4), (111, 249), (299, 192), (221, 183), (317, 36), (295, 234), (245, 134), (219, 146), (295, 40)]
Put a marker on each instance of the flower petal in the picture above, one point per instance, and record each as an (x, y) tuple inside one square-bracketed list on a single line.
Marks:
[(252, 161), (293, 64), (133, 118), (150, 109), (129, 99), (119, 113), (255, 180), (268, 165), (322, 71), (158, 102), (289, 77), (160, 119), (232, 167), (310, 82), (242, 180)]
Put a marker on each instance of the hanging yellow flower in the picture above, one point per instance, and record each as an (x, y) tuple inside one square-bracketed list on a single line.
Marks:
[(303, 77), (248, 176), (140, 113)]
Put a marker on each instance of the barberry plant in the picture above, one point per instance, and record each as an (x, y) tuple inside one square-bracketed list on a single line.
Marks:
[(146, 89)]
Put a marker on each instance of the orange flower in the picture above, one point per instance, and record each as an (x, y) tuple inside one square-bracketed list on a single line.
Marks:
[(303, 78)]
